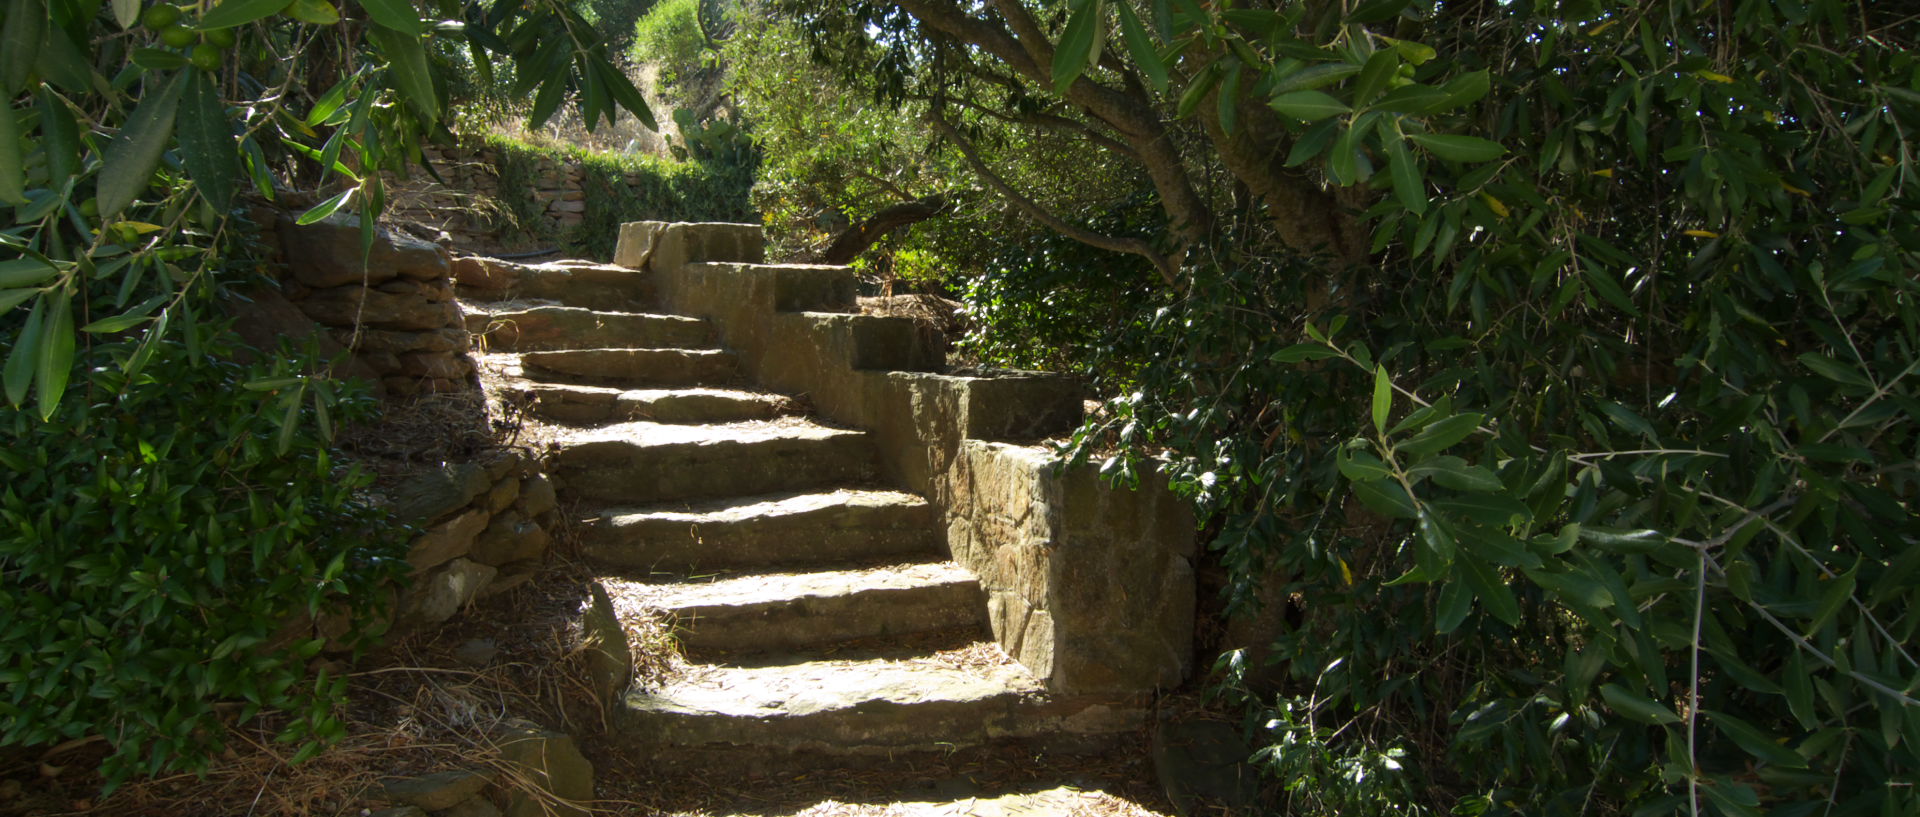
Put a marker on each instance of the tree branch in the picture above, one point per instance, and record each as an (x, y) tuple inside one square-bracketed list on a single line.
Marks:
[(1047, 120), (1135, 118), (855, 240), (1167, 267)]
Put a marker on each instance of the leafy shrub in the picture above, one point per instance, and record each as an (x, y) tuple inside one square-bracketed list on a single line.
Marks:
[(669, 191), (163, 536), (1045, 301), (669, 36), (1596, 491)]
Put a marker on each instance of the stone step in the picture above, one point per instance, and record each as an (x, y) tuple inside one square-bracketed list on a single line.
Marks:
[(567, 282), (659, 462), (570, 327), (583, 405), (870, 707), (795, 611), (634, 367), (833, 527)]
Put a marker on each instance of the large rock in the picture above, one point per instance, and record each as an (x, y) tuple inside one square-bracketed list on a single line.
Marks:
[(537, 496), (485, 273), (511, 538), (327, 254), (552, 763), (441, 595), (438, 365), (609, 656)]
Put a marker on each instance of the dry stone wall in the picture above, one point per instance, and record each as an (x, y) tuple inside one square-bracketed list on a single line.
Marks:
[(485, 529), (466, 206), (396, 314)]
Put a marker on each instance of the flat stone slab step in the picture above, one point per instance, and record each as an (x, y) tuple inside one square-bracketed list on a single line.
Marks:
[(571, 327), (792, 611), (565, 403), (865, 708), (840, 526), (569, 282), (659, 462), (633, 367)]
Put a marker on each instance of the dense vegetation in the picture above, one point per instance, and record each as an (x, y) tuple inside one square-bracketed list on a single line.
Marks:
[(1543, 371), (171, 515)]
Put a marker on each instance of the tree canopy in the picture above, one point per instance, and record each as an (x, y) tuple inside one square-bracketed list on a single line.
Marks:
[(1548, 365)]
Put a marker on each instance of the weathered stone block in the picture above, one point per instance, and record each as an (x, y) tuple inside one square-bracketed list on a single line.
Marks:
[(346, 306), (668, 247), (439, 365), (609, 656), (430, 497), (511, 575), (511, 538), (327, 254), (442, 594), (553, 764), (537, 496), (484, 273), (503, 494), (1089, 585), (398, 342), (447, 540)]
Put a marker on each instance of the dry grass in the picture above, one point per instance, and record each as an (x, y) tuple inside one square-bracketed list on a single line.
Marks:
[(429, 430)]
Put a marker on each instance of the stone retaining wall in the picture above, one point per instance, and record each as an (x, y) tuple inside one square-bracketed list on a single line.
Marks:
[(470, 185), (396, 314), (1090, 586), (486, 528)]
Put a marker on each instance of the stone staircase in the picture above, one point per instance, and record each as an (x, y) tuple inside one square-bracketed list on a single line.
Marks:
[(818, 601)]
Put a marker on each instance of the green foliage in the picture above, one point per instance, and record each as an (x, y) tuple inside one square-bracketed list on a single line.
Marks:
[(670, 36), (715, 141), (170, 517), (165, 533), (1044, 301), (1595, 485), (615, 20), (667, 191)]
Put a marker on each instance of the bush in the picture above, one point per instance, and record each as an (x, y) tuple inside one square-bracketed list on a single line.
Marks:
[(668, 191), (164, 535), (669, 36)]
